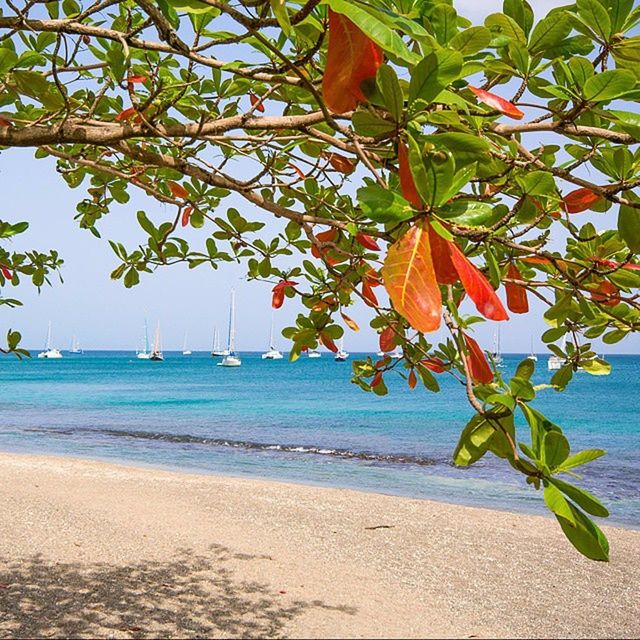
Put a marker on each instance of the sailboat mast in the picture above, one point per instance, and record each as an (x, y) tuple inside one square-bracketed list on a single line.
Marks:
[(156, 342), (48, 345), (146, 337), (232, 322), (184, 346), (271, 333)]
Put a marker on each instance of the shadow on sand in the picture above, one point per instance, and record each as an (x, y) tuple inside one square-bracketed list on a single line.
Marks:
[(190, 595)]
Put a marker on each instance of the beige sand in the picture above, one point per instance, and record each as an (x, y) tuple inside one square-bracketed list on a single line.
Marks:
[(94, 549)]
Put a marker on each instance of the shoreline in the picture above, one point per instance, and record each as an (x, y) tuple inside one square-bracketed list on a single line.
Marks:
[(253, 476), (94, 548)]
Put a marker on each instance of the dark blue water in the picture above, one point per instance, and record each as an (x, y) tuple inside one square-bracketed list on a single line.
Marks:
[(305, 422)]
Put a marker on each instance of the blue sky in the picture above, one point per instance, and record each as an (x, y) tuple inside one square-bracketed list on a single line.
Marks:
[(103, 314)]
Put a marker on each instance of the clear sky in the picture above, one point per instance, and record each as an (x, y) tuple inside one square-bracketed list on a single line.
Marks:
[(105, 315)]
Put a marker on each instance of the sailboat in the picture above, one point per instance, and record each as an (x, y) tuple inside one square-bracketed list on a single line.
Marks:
[(556, 362), (341, 354), (496, 354), (185, 351), (532, 356), (75, 346), (144, 354), (232, 359), (314, 353), (273, 353), (216, 349), (397, 354), (156, 353), (49, 353)]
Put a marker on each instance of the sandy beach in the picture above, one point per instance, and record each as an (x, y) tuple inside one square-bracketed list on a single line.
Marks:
[(95, 549)]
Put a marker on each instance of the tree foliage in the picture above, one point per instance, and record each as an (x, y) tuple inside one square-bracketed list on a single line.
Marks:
[(402, 148)]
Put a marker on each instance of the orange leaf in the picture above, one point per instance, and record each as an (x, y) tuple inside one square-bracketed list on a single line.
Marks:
[(328, 342), (369, 296), (606, 294), (498, 103), (413, 380), (367, 242), (352, 324), (177, 190), (324, 236), (407, 184), (136, 79), (516, 293), (387, 339), (279, 292), (186, 215), (477, 362), (298, 171), (377, 379), (256, 102), (126, 114), (410, 280), (441, 256), (341, 163), (352, 58), (433, 364), (477, 286), (580, 200)]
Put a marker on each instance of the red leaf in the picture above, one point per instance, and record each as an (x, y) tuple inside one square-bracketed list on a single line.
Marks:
[(377, 379), (368, 294), (407, 184), (516, 293), (413, 380), (298, 171), (4, 122), (606, 293), (498, 103), (6, 272), (126, 114), (186, 215), (387, 339), (433, 364), (477, 286), (136, 79), (352, 58), (477, 362), (410, 280), (328, 342), (177, 190), (373, 278), (279, 292), (367, 242), (324, 236), (341, 163), (256, 102), (441, 255), (580, 200)]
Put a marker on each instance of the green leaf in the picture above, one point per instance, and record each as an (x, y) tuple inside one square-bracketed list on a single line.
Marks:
[(596, 367), (433, 74), (582, 498), (192, 6), (549, 32), (444, 22), (391, 91), (555, 449), (474, 441), (468, 213), (608, 85), (282, 16), (384, 205), (526, 369), (537, 183), (585, 535), (367, 20), (562, 377), (580, 458), (471, 41), (558, 504), (521, 12), (466, 148), (629, 227), (595, 16), (369, 124), (506, 26)]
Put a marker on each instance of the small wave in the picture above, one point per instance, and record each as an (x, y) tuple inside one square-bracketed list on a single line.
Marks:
[(177, 438)]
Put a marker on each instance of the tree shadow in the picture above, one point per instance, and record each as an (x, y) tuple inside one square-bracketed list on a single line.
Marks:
[(188, 596)]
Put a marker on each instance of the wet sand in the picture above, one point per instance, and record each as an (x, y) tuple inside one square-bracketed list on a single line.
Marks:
[(96, 549)]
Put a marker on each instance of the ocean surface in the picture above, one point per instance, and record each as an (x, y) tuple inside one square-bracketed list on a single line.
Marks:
[(304, 422)]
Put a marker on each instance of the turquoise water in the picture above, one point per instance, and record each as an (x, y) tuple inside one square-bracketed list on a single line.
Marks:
[(304, 422)]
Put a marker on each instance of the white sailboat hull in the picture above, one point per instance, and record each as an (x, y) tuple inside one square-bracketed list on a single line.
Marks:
[(314, 354), (341, 356), (230, 361), (143, 356), (554, 363), (272, 354), (50, 354)]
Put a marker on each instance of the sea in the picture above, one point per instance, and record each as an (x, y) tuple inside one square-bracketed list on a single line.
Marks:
[(305, 422)]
